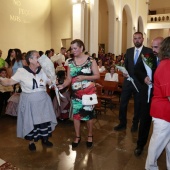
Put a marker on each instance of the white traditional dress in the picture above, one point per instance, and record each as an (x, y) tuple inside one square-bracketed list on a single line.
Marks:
[(36, 117)]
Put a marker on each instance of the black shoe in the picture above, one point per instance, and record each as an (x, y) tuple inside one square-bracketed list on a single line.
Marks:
[(32, 147), (47, 143), (89, 144), (134, 128), (120, 127), (138, 151), (74, 144)]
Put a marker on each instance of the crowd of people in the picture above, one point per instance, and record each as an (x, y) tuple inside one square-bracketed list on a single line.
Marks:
[(16, 59), (146, 80)]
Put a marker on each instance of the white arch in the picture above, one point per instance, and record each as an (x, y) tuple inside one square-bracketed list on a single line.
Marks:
[(129, 26), (112, 42)]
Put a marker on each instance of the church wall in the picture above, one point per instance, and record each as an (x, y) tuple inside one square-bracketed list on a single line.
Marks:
[(103, 24), (25, 25), (61, 21), (156, 5)]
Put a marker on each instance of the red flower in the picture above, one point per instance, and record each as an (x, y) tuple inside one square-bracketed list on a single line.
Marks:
[(146, 55), (148, 59)]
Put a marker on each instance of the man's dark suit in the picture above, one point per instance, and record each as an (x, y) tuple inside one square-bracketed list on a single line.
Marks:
[(128, 89), (145, 118)]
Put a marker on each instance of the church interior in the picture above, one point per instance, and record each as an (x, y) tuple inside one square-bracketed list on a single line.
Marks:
[(101, 24)]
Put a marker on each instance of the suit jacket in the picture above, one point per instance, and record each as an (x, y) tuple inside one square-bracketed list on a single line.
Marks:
[(129, 63), (141, 74)]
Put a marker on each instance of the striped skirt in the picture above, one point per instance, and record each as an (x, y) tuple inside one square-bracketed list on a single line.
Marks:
[(40, 131)]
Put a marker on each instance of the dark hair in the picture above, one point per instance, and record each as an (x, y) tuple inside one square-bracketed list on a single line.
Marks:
[(29, 55), (138, 32), (111, 67), (41, 53), (164, 51), (47, 52), (62, 48), (93, 55), (86, 52), (71, 55), (3, 69), (23, 55), (52, 50), (8, 60), (79, 43), (18, 54), (61, 75)]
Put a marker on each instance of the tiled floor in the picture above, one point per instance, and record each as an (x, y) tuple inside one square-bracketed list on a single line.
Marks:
[(112, 150)]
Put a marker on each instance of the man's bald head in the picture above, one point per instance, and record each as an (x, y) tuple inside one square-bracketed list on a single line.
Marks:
[(156, 42)]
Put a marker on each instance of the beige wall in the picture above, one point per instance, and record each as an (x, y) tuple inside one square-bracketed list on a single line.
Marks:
[(103, 24), (25, 25), (158, 33), (45, 24), (161, 6), (61, 20)]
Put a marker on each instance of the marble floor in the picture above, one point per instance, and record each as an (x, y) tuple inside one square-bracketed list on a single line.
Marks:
[(111, 151)]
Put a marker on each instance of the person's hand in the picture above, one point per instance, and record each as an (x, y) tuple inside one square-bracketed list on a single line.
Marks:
[(147, 80), (56, 81), (61, 86), (125, 75), (80, 78)]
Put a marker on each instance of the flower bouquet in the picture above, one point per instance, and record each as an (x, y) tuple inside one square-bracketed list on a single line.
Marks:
[(48, 67), (124, 71), (148, 63)]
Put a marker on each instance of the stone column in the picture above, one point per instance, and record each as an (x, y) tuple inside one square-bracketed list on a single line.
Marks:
[(94, 10), (78, 21)]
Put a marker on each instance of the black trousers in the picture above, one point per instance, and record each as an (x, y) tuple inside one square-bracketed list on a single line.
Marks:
[(144, 128), (4, 99), (127, 91), (145, 118)]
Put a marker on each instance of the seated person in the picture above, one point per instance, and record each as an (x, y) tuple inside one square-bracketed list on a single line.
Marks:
[(5, 91), (2, 61), (13, 101), (101, 67), (62, 111), (119, 60), (111, 76)]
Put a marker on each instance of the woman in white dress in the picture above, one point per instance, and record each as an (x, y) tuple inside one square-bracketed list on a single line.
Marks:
[(101, 67), (111, 76)]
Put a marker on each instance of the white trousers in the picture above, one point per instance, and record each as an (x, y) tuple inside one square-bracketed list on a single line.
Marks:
[(159, 141)]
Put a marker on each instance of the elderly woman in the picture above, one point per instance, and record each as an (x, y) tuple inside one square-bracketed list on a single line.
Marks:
[(82, 72), (111, 76), (160, 110), (36, 117)]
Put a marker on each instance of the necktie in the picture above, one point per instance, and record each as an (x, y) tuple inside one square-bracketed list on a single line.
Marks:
[(136, 56)]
